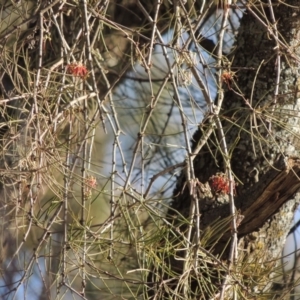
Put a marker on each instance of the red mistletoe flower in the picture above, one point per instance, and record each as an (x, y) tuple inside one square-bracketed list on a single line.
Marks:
[(77, 70), (219, 184), (227, 77), (91, 181)]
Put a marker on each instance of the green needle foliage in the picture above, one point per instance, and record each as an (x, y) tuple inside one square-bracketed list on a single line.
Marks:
[(148, 149)]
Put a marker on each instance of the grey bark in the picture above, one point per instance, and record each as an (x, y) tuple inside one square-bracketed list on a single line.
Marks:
[(267, 196), (266, 164)]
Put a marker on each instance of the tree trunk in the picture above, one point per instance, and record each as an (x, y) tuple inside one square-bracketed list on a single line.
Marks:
[(261, 130)]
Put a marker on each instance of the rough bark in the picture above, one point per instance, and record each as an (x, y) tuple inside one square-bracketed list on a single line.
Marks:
[(265, 160)]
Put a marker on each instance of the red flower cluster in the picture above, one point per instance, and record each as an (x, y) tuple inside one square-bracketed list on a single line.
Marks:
[(227, 77), (91, 181), (90, 184), (219, 184), (77, 70)]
